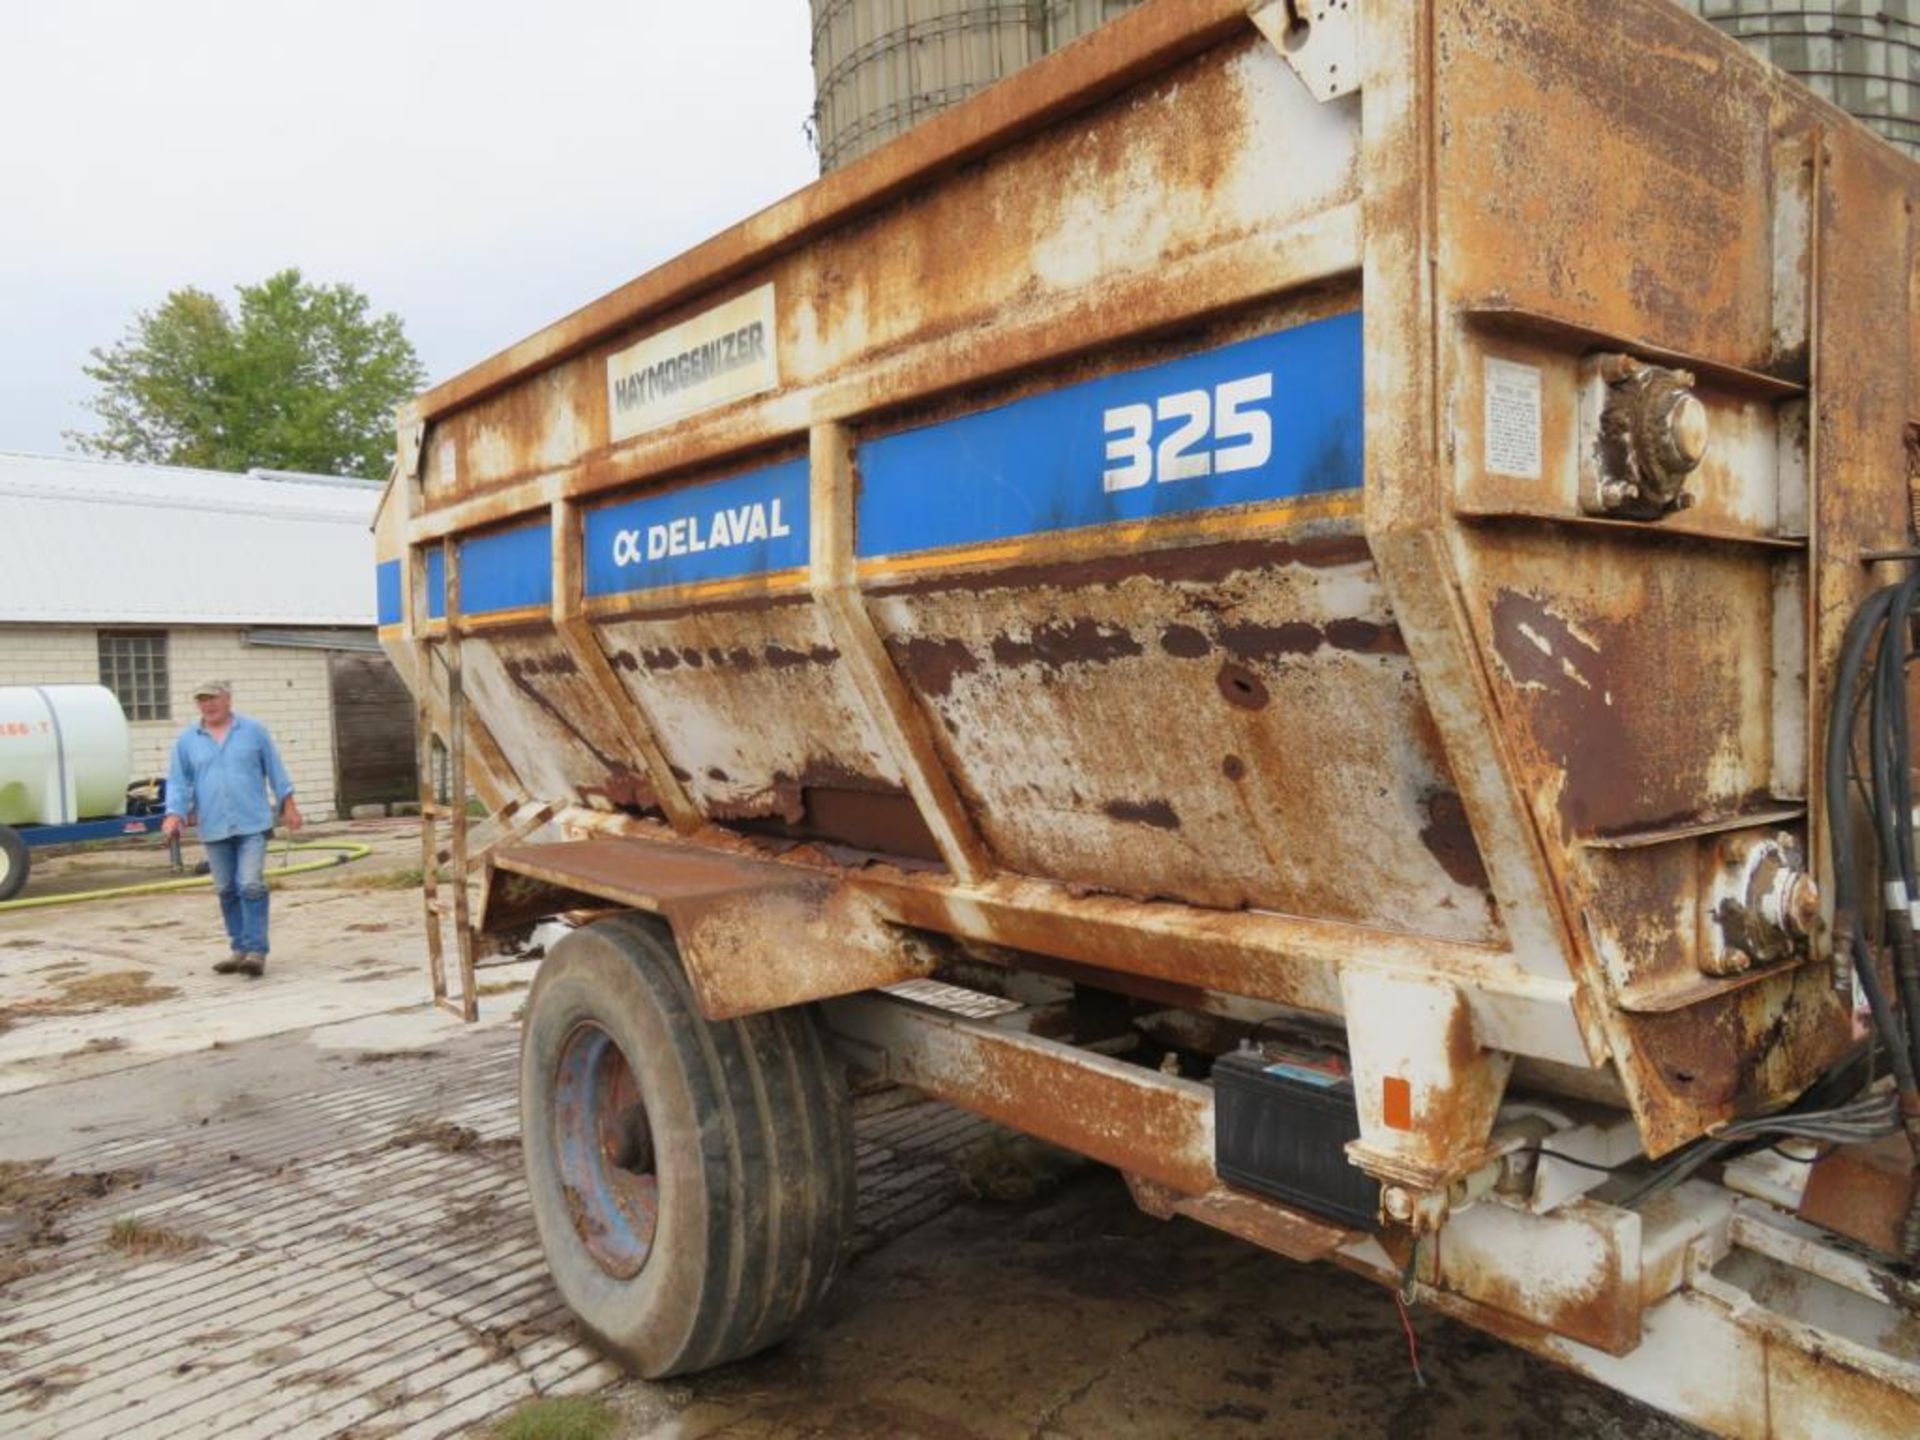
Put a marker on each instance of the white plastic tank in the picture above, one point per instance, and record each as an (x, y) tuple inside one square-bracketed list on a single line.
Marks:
[(65, 754)]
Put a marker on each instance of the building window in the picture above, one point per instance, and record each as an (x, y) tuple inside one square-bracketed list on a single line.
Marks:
[(133, 664)]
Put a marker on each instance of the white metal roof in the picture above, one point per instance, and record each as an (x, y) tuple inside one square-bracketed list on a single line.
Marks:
[(101, 542)]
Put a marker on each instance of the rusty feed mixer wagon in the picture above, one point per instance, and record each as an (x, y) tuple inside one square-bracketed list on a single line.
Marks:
[(1346, 567)]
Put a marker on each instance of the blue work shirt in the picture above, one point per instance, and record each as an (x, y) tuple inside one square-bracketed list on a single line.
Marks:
[(226, 783)]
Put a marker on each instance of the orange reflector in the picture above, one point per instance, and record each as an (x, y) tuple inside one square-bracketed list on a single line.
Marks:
[(1396, 1101)]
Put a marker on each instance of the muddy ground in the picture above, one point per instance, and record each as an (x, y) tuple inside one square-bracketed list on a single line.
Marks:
[(1077, 1316), (292, 1207)]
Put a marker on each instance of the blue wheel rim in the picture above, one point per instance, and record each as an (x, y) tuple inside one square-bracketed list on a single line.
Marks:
[(604, 1150)]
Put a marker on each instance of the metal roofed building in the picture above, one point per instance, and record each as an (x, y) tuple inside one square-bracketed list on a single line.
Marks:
[(149, 579)]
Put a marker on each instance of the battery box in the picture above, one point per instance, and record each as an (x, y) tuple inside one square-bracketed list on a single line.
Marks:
[(1283, 1115)]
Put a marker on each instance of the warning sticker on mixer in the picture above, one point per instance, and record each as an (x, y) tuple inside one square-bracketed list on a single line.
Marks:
[(1513, 419)]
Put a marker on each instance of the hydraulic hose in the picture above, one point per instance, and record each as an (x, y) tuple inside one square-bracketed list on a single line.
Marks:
[(1896, 914), (1839, 762), (344, 852), (1849, 930), (1900, 646), (1893, 802)]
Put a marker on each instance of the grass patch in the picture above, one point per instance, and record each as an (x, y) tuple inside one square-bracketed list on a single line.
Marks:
[(409, 877), (121, 987), (575, 1418), (345, 877), (440, 1134), (33, 1201), (131, 1235), (28, 1187), (84, 993)]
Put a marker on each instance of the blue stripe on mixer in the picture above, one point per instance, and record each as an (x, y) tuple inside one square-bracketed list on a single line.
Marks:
[(1272, 418), (437, 583), (386, 592), (506, 570), (751, 524)]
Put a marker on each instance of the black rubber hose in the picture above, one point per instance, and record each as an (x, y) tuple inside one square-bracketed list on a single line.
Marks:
[(1900, 658), (1847, 880), (1853, 649), (1892, 1037), (1883, 805), (1880, 755), (1851, 1075), (1895, 651), (1891, 731), (1885, 843)]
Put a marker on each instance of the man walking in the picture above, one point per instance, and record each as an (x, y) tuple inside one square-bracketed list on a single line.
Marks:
[(219, 778)]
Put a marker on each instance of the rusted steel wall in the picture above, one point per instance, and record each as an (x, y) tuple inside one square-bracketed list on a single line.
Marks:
[(1654, 683), (945, 285), (1420, 732), (1059, 689), (755, 711)]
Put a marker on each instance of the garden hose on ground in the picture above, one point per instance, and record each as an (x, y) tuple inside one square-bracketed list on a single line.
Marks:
[(344, 851)]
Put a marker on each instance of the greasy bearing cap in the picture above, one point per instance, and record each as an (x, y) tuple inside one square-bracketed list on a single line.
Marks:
[(1687, 432)]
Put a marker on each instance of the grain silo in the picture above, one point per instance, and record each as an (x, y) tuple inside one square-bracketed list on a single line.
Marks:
[(1864, 55), (882, 66), (1070, 19)]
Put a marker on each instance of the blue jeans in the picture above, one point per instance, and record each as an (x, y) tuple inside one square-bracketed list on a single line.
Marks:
[(239, 866)]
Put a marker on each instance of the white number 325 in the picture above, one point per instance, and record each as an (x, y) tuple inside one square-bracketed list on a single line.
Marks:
[(1213, 433)]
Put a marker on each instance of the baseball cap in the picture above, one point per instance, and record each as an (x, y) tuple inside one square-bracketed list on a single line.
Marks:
[(211, 687)]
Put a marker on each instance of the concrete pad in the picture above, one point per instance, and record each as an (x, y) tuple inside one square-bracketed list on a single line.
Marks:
[(99, 987), (357, 1255), (411, 1028)]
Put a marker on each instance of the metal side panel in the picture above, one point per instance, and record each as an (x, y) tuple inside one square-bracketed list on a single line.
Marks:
[(753, 936)]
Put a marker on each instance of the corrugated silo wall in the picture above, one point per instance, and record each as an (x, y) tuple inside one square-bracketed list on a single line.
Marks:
[(1864, 55), (882, 66), (1070, 19)]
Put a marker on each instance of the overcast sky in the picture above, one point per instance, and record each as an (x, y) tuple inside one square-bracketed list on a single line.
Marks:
[(478, 168)]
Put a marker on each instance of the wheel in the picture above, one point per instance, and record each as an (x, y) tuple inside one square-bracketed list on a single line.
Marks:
[(692, 1181), (16, 861)]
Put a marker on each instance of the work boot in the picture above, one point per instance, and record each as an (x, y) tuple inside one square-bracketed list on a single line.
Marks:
[(231, 965), (253, 963)]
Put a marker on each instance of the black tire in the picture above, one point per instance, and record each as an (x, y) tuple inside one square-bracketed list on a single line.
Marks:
[(16, 862), (740, 1139)]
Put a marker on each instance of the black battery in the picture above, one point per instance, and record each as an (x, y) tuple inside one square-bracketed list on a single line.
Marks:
[(1283, 1115)]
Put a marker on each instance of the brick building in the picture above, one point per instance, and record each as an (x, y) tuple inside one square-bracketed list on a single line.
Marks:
[(148, 579)]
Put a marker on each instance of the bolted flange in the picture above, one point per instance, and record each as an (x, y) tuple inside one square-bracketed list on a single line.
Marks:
[(1765, 903), (1653, 432)]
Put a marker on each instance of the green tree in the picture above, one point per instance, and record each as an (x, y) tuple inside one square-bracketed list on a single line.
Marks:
[(302, 377)]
